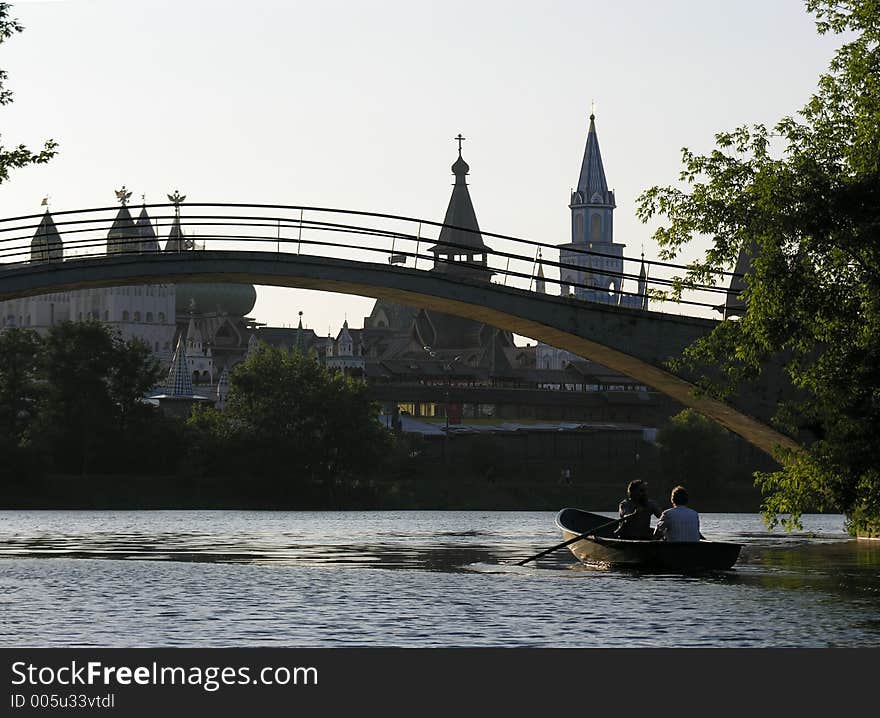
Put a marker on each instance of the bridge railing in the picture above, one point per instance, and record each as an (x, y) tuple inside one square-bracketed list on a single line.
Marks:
[(401, 242)]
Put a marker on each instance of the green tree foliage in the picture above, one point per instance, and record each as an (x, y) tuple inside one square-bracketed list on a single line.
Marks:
[(290, 417), (20, 156), (805, 198), (94, 383), (19, 388), (693, 451), (19, 398)]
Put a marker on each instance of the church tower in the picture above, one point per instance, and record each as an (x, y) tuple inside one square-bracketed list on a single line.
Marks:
[(595, 262), (592, 203), (460, 249)]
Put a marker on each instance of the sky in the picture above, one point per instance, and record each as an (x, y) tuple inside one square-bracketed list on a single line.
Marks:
[(355, 105)]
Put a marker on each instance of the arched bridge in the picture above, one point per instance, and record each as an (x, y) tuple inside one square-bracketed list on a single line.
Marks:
[(367, 254)]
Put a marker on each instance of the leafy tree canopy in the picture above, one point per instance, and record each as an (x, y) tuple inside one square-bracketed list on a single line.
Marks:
[(19, 387), (94, 385), (291, 415), (804, 199), (20, 156)]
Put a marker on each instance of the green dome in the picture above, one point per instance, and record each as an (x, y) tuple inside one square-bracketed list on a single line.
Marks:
[(234, 299)]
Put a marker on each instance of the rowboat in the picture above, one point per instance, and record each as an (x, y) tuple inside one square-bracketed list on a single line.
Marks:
[(604, 549)]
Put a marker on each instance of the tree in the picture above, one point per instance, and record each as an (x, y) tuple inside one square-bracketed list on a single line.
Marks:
[(804, 200), (288, 415), (19, 400), (19, 389), (19, 156), (95, 381), (693, 450)]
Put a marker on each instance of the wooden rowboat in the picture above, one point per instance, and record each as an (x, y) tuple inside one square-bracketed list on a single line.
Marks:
[(604, 549)]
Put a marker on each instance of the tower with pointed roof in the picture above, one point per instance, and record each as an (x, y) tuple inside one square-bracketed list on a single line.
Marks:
[(123, 236), (460, 248), (592, 261), (643, 285), (179, 396), (147, 239), (734, 303), (540, 281), (199, 359), (46, 245)]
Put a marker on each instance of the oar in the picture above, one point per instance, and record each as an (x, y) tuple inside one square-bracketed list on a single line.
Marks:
[(591, 532)]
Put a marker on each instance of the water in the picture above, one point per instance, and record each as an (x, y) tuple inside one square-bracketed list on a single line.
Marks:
[(307, 579)]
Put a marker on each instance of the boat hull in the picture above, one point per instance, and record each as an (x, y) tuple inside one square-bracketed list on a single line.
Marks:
[(604, 549)]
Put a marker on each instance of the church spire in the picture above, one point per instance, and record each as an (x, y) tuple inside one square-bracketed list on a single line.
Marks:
[(592, 187), (460, 248)]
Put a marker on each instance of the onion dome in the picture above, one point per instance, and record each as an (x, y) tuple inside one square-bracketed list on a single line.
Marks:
[(235, 300)]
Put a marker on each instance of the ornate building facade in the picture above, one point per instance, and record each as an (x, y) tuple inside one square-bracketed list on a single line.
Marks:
[(211, 318)]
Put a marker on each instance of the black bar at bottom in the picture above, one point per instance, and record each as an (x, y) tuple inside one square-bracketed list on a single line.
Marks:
[(388, 681)]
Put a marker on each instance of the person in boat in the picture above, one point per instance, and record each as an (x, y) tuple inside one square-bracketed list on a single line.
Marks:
[(639, 509), (681, 522)]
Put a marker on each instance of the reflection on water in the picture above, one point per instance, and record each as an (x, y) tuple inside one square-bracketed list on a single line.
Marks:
[(300, 578)]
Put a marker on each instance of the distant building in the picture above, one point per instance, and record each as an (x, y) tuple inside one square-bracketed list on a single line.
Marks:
[(593, 262), (211, 317), (143, 311)]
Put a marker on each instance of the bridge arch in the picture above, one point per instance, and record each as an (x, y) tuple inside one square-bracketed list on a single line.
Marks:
[(634, 342)]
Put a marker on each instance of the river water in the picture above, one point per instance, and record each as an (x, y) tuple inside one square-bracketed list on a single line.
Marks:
[(419, 579)]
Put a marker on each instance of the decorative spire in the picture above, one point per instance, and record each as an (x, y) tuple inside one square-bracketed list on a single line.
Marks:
[(460, 235), (592, 187), (179, 381), (460, 168), (123, 235), (148, 240), (643, 284), (299, 345), (176, 241), (735, 305), (344, 342), (46, 244), (122, 196)]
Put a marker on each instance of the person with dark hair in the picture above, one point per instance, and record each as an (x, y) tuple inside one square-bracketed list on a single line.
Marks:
[(680, 523), (639, 509)]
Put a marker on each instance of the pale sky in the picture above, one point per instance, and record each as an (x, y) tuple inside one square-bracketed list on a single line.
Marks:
[(355, 104)]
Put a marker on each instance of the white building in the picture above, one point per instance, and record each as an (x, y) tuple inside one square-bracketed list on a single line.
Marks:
[(143, 311)]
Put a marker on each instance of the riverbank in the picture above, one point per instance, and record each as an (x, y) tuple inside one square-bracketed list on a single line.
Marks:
[(417, 492)]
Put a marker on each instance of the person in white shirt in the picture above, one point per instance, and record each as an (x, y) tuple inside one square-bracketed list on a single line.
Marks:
[(680, 523)]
